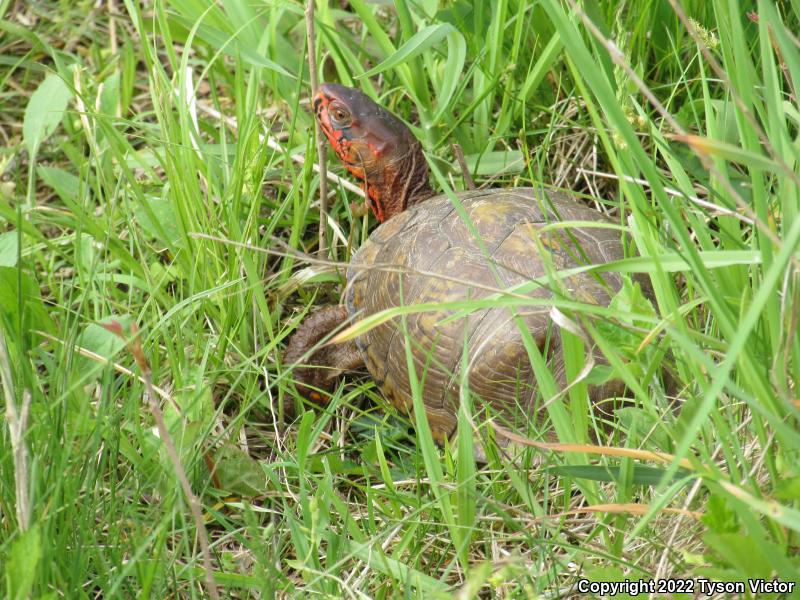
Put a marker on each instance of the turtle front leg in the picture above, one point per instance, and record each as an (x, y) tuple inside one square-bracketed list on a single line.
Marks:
[(318, 367)]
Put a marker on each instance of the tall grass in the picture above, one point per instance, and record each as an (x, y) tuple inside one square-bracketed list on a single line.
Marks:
[(123, 198)]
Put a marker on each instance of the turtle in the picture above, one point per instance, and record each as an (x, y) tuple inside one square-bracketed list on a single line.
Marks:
[(429, 250)]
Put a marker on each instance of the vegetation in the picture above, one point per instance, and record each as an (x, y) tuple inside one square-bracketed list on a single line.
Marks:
[(151, 246)]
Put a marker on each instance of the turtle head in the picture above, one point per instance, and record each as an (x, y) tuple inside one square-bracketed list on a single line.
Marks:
[(375, 146)]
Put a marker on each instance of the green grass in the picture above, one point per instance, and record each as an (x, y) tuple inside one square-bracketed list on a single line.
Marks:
[(119, 201)]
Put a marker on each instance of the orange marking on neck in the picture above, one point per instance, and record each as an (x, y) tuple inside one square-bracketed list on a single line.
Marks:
[(356, 171), (375, 202)]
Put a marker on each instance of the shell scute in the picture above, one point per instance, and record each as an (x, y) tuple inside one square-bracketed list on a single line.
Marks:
[(429, 255)]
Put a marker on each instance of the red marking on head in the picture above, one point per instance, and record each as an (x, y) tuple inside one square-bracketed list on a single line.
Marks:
[(374, 146), (336, 137), (354, 153)]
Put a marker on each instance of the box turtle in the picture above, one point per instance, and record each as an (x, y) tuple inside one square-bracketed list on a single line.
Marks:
[(424, 252)]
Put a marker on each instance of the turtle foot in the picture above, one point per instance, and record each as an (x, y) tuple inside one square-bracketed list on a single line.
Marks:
[(318, 365)]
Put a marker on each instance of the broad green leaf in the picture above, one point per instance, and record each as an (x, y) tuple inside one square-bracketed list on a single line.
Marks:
[(788, 489), (98, 340), (628, 302), (85, 252), (44, 111), (657, 430), (23, 560), (65, 184), (109, 97), (736, 550), (238, 472), (719, 517), (419, 42), (786, 515), (20, 290), (8, 248), (158, 219)]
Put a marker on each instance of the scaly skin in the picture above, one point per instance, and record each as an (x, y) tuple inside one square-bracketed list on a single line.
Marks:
[(329, 361), (376, 147)]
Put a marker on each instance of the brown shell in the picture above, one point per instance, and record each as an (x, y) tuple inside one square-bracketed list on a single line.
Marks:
[(427, 254)]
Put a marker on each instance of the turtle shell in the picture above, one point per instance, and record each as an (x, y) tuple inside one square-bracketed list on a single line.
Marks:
[(429, 254)]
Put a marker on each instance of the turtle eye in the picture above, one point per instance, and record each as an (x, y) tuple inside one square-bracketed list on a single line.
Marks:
[(339, 115)]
